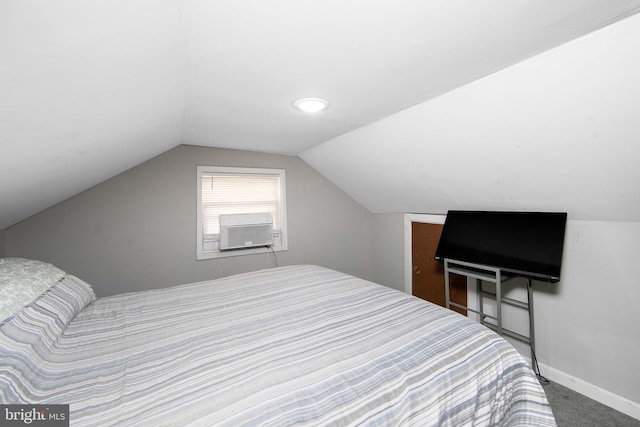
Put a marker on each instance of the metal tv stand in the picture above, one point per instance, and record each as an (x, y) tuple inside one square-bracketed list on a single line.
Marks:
[(483, 273)]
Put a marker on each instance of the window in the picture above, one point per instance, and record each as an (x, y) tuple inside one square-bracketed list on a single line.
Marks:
[(225, 190)]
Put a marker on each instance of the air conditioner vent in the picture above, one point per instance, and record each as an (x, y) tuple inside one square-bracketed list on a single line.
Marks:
[(239, 231)]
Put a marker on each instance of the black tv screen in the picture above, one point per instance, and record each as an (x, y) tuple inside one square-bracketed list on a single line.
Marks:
[(528, 244)]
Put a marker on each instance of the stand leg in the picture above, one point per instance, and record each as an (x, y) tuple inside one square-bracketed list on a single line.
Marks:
[(499, 302), (446, 283), (532, 336), (480, 300)]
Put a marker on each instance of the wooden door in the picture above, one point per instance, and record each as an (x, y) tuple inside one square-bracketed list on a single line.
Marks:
[(427, 274)]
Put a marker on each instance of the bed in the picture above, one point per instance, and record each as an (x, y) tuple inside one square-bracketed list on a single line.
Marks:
[(296, 345)]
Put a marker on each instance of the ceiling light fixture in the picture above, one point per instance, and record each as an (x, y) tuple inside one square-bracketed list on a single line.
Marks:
[(311, 105)]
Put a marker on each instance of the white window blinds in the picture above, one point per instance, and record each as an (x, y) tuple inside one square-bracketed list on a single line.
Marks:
[(229, 193)]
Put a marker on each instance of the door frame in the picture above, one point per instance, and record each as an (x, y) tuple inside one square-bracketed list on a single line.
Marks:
[(408, 238), (472, 295)]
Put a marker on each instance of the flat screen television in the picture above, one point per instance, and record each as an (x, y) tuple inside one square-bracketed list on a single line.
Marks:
[(528, 244)]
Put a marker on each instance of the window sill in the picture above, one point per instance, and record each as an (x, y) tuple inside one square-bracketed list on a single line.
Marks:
[(202, 255)]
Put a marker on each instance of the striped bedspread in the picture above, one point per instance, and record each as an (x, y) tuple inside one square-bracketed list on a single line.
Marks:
[(299, 345)]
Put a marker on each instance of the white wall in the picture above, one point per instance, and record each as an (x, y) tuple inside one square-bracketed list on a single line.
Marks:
[(587, 328), (388, 250)]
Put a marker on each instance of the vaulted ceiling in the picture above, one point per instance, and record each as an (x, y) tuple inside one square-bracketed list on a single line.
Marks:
[(90, 88)]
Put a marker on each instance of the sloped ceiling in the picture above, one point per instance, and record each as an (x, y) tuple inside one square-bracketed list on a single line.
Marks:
[(558, 132), (91, 88)]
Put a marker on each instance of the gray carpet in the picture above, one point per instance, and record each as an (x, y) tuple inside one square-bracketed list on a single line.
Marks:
[(573, 409)]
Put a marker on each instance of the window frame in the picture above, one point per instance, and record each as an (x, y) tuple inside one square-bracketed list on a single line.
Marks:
[(202, 254)]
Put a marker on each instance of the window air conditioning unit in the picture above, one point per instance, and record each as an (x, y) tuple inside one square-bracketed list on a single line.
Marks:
[(239, 231)]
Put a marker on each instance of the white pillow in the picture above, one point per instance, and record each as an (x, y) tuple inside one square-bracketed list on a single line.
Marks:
[(22, 281)]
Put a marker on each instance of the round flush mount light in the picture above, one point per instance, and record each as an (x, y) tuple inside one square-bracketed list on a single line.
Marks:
[(311, 105)]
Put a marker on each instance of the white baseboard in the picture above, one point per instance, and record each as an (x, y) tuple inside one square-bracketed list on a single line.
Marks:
[(596, 393)]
